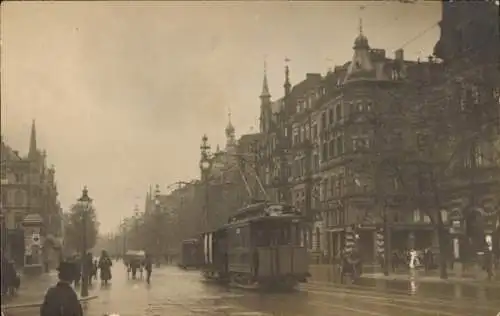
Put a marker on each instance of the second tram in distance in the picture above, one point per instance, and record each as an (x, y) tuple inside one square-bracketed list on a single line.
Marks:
[(259, 247)]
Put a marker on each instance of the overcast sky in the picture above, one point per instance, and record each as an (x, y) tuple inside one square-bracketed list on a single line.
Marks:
[(123, 92)]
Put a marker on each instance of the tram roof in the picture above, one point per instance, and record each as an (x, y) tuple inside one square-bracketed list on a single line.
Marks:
[(263, 209), (266, 218)]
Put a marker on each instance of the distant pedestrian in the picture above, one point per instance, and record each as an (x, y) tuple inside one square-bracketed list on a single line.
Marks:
[(96, 267), (148, 266), (428, 259), (61, 299), (105, 265)]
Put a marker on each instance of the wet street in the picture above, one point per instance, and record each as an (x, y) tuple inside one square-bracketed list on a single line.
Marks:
[(182, 293)]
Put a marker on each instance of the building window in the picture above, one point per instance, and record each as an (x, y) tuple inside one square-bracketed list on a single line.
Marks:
[(338, 112), (359, 106), (330, 116), (340, 145), (369, 106), (323, 121), (324, 152), (476, 98), (315, 163), (331, 148), (338, 190), (422, 141), (322, 191), (416, 216), (19, 178), (314, 131)]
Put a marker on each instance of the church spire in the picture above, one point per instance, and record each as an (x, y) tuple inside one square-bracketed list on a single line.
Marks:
[(265, 87), (287, 84), (230, 137), (33, 148)]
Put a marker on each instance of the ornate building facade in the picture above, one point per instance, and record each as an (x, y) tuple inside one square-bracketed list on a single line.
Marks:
[(30, 206), (469, 47)]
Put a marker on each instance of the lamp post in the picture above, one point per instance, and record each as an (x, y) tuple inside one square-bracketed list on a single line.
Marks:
[(205, 166), (159, 218), (137, 221), (84, 203)]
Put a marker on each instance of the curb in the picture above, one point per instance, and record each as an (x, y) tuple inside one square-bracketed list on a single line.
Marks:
[(478, 283), (38, 304), (469, 282)]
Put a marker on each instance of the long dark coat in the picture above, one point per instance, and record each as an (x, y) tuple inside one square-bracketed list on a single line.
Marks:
[(61, 300)]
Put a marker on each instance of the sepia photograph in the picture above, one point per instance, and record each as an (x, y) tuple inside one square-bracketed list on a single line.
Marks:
[(250, 158)]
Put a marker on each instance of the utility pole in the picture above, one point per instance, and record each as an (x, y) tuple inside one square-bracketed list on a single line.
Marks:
[(255, 151)]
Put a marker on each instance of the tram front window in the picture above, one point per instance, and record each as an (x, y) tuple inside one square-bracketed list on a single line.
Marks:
[(277, 234)]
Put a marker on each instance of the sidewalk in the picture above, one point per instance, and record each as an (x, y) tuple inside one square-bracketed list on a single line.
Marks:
[(32, 291), (330, 273), (433, 277)]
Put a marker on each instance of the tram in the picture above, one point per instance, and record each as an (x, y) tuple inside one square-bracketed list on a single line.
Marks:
[(259, 247), (190, 254)]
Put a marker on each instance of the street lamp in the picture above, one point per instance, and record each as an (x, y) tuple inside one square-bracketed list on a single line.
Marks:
[(84, 202), (205, 167)]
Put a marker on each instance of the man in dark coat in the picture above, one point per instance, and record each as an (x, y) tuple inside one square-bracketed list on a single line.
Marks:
[(61, 299), (148, 265)]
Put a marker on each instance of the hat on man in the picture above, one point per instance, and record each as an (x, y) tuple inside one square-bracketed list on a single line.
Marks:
[(66, 270)]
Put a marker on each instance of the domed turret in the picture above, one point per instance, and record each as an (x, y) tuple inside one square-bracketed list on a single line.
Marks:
[(361, 42)]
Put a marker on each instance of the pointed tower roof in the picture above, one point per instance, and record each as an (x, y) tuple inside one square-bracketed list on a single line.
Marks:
[(287, 85), (265, 87), (361, 66), (229, 128), (33, 148)]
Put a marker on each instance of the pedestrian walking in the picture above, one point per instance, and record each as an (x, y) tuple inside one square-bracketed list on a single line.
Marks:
[(148, 265), (105, 265), (428, 259), (61, 299), (96, 267)]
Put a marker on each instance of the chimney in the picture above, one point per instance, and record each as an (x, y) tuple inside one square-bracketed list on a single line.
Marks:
[(399, 54)]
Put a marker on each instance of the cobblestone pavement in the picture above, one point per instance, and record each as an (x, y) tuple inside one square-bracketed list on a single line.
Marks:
[(182, 293)]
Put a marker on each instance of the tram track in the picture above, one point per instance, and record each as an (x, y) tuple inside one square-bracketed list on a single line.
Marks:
[(393, 293), (436, 306)]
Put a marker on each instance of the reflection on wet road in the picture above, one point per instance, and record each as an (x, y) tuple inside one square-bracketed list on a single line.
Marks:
[(183, 293)]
